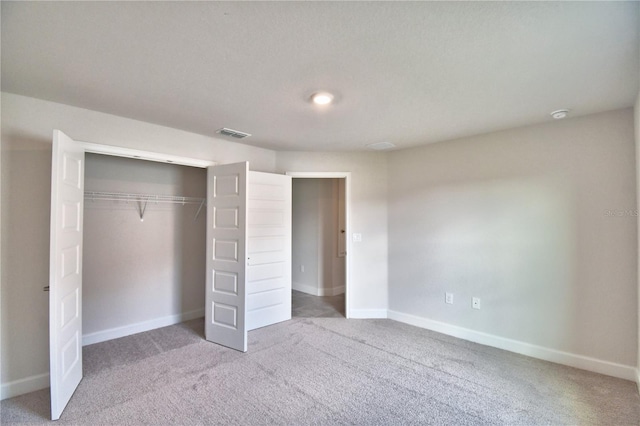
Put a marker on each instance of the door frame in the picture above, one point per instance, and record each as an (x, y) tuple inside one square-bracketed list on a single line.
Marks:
[(347, 219), (136, 154)]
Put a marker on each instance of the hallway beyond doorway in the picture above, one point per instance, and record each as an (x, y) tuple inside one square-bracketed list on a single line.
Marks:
[(305, 305)]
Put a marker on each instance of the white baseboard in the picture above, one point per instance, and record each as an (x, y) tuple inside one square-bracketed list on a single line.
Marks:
[(578, 361), (315, 291), (367, 313), (638, 378), (127, 330), (336, 291), (22, 386), (309, 289), (41, 381)]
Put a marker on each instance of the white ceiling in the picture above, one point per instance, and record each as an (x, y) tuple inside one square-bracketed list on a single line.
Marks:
[(407, 72)]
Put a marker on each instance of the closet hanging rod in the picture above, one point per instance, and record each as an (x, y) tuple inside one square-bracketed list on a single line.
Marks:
[(152, 198)]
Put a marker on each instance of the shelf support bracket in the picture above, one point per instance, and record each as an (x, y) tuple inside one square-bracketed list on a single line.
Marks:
[(142, 207), (199, 209)]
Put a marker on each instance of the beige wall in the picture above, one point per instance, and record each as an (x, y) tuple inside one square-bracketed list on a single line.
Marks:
[(27, 126), (368, 259), (538, 222)]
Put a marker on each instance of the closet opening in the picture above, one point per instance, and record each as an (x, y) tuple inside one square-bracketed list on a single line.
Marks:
[(144, 247), (319, 267)]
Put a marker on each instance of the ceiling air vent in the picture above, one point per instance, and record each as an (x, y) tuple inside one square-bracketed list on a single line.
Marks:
[(233, 133), (380, 146)]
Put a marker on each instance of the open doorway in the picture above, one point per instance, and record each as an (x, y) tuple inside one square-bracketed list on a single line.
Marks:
[(319, 247)]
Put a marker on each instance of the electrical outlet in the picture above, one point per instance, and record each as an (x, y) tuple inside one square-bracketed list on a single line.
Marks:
[(301, 268), (448, 298), (357, 238), (475, 303)]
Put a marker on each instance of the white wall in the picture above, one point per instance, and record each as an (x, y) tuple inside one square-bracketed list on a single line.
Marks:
[(27, 126), (368, 216), (137, 271), (304, 245), (315, 237), (538, 222)]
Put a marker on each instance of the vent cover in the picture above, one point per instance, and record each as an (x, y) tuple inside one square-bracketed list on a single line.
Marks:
[(379, 146), (233, 133)]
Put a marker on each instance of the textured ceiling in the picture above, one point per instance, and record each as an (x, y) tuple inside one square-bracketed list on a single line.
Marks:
[(407, 72)]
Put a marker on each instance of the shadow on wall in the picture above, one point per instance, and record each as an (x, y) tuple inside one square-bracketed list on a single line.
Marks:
[(193, 244), (509, 242)]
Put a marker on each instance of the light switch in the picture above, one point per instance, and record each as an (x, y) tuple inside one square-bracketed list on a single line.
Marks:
[(448, 298), (357, 238)]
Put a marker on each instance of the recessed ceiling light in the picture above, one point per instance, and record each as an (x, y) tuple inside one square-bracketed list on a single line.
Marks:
[(380, 146), (322, 98), (560, 114)]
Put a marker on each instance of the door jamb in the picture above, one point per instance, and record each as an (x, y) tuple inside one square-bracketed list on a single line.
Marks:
[(347, 206)]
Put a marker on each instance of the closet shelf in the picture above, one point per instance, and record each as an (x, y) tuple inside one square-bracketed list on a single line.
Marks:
[(143, 199), (119, 196)]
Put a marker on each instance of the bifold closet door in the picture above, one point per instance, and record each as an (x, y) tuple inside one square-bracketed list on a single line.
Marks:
[(65, 270), (248, 252), (269, 249), (225, 310)]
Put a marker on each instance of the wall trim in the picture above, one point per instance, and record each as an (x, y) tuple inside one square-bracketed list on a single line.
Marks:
[(22, 386), (315, 291), (41, 381), (638, 378), (127, 330), (573, 360), (305, 288), (368, 313), (119, 151), (336, 291)]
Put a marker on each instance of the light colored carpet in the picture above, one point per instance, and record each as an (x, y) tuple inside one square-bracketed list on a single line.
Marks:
[(327, 371), (305, 305)]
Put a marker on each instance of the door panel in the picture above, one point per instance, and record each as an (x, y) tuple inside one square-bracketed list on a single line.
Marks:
[(65, 270), (225, 310), (342, 226), (269, 249)]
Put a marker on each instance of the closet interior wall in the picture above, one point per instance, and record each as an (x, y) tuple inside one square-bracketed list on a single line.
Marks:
[(141, 272)]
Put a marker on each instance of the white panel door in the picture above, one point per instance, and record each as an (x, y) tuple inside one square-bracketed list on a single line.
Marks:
[(65, 270), (226, 255), (269, 249)]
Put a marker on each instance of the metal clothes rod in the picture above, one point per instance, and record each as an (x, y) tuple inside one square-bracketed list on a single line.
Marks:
[(143, 199)]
